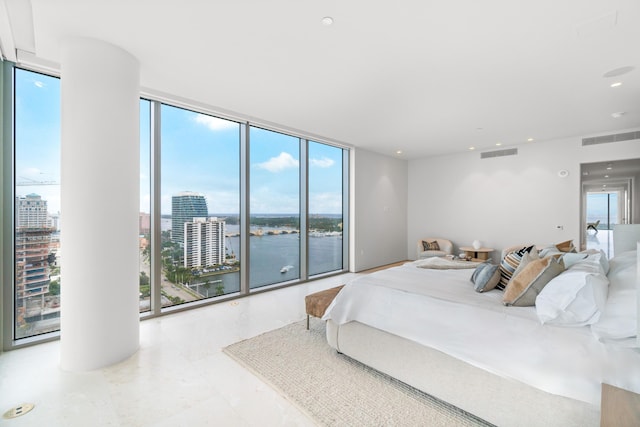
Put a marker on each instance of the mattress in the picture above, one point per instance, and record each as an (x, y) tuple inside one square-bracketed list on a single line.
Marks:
[(440, 310)]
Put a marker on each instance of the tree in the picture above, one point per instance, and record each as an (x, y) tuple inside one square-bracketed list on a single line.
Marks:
[(144, 279), (54, 287), (219, 289)]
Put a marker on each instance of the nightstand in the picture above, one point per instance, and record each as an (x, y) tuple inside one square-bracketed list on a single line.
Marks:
[(480, 254), (619, 407)]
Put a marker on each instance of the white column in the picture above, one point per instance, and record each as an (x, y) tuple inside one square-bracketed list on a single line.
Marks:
[(100, 203)]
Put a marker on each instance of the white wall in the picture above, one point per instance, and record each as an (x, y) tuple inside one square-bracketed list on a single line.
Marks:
[(504, 201), (378, 210)]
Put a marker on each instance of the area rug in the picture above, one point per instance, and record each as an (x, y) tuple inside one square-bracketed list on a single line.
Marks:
[(335, 390)]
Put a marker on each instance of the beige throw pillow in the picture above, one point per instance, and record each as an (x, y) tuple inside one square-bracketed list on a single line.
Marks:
[(566, 246), (524, 287)]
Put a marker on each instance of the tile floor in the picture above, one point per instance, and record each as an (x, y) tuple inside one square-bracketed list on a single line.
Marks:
[(179, 377), (603, 239)]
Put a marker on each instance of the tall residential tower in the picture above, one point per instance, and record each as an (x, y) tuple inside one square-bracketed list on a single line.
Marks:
[(32, 256), (204, 242), (185, 207)]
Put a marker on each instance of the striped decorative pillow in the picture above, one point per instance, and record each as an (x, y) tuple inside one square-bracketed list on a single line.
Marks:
[(509, 264)]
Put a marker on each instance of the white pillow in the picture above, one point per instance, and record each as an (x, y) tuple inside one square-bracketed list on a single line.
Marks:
[(571, 258), (619, 317), (596, 257), (576, 297)]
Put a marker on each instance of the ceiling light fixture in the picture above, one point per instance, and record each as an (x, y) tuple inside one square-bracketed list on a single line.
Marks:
[(529, 139), (327, 21), (498, 144), (609, 167), (398, 152), (618, 114), (472, 148), (606, 176), (616, 84)]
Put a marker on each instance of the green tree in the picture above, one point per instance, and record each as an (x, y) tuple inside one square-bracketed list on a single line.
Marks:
[(144, 279), (54, 287), (219, 289)]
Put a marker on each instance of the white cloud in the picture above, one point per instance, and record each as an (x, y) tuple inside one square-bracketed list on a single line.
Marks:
[(324, 162), (280, 163), (325, 203), (214, 123), (265, 200), (38, 83)]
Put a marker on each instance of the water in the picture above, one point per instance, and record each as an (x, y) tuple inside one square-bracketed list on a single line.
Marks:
[(270, 253)]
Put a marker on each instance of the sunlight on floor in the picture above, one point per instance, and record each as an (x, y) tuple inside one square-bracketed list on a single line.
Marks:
[(603, 239)]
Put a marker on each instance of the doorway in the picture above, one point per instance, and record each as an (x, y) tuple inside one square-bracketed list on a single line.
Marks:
[(608, 197)]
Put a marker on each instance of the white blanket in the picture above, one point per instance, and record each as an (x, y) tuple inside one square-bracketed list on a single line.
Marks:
[(440, 309)]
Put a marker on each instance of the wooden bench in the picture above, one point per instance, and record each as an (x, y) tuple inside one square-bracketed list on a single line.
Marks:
[(317, 303)]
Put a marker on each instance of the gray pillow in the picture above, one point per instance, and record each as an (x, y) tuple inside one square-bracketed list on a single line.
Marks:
[(485, 277)]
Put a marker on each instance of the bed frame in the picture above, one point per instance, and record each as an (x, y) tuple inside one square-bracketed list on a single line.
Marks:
[(498, 400)]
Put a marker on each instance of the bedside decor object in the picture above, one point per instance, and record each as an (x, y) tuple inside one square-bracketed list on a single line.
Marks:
[(479, 254), (476, 244)]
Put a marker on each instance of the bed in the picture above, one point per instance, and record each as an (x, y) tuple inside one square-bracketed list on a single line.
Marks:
[(509, 365)]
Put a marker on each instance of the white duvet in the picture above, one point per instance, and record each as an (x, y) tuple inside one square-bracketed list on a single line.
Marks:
[(440, 309)]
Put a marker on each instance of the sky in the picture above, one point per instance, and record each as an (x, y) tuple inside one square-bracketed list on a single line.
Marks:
[(199, 153)]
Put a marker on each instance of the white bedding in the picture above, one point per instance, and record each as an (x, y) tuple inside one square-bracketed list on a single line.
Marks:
[(440, 309)]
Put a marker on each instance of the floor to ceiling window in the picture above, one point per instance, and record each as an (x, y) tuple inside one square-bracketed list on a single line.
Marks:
[(37, 216), (325, 208), (144, 219), (200, 206), (602, 210), (274, 207), (193, 196)]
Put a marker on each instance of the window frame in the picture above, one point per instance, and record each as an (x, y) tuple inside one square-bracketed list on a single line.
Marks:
[(8, 192)]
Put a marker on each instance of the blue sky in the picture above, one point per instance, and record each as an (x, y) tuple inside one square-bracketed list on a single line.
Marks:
[(199, 153), (38, 135)]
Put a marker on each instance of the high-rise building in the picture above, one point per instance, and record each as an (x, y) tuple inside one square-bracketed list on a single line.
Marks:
[(31, 211), (204, 242), (144, 222), (33, 237), (185, 207)]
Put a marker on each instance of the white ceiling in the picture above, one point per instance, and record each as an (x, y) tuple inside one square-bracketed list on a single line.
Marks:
[(420, 76)]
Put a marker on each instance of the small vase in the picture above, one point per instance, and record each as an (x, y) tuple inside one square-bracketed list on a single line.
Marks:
[(476, 244)]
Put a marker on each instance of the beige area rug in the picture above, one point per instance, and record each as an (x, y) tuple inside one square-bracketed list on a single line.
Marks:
[(335, 390)]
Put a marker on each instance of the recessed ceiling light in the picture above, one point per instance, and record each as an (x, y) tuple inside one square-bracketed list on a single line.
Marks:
[(618, 114), (498, 144), (606, 176), (399, 152), (618, 71), (529, 139), (327, 21), (609, 167), (472, 148), (616, 84)]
